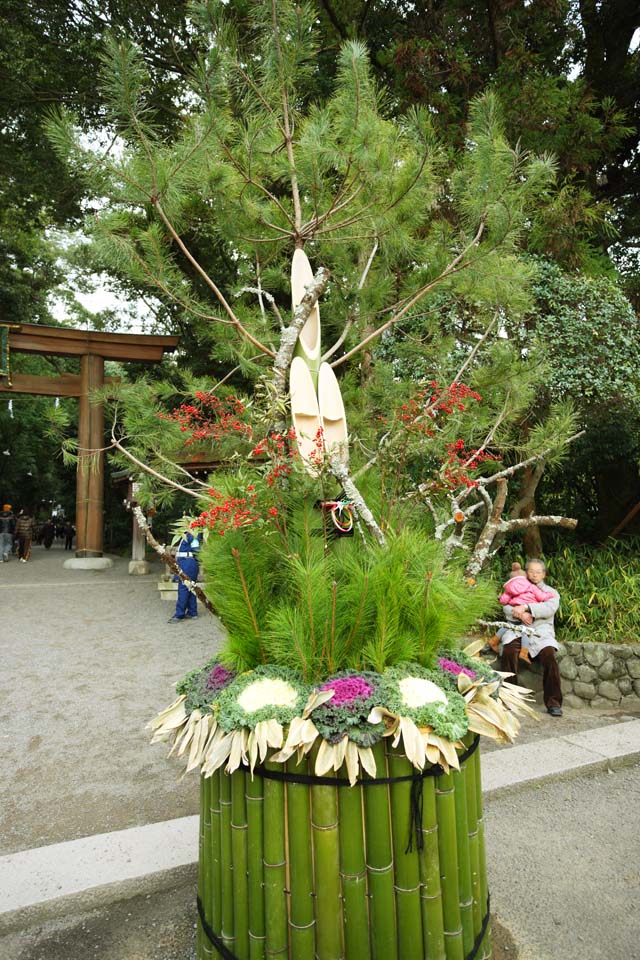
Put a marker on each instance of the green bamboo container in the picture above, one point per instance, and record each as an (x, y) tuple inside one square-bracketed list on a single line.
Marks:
[(301, 889), (353, 871), (465, 891), (431, 895), (326, 863), (214, 907), (206, 873), (239, 851), (227, 934), (275, 868), (448, 851), (406, 863), (255, 841), (294, 871), (378, 844)]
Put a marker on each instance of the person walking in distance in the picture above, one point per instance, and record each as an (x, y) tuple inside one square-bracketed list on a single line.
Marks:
[(7, 528), (25, 527), (69, 533)]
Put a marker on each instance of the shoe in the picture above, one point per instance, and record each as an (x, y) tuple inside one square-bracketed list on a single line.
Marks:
[(175, 619), (22, 560), (555, 711)]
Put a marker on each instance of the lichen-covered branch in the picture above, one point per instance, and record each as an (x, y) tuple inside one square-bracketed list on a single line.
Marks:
[(490, 531), (290, 334), (343, 477), (170, 560)]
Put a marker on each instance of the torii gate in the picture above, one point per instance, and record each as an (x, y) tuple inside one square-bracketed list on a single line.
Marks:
[(93, 349)]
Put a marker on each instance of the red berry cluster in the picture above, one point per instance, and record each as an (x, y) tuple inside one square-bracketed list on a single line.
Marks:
[(280, 449), (428, 404), (459, 462), (229, 513), (210, 418)]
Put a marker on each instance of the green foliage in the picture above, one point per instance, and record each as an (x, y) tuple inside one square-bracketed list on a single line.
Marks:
[(599, 589), (590, 334), (321, 607)]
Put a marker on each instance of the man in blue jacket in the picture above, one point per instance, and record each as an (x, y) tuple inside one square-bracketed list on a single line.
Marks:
[(187, 560)]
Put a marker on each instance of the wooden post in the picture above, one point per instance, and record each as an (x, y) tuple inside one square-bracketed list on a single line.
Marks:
[(138, 566), (90, 476)]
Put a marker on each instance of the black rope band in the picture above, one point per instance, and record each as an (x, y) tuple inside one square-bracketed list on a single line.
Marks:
[(434, 771), (226, 954), (212, 937)]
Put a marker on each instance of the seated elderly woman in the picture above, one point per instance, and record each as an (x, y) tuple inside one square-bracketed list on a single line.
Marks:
[(537, 617)]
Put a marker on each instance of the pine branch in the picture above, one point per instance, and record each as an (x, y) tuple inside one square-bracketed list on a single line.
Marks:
[(456, 265), (207, 279)]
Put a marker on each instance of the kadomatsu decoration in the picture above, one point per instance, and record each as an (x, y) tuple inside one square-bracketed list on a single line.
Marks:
[(336, 736)]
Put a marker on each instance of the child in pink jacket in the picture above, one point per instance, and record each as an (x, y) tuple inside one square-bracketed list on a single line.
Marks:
[(519, 591)]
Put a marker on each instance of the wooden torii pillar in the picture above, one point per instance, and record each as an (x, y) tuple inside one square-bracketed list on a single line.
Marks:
[(93, 349)]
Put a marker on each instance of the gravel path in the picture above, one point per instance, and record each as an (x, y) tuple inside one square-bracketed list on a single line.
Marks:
[(87, 659)]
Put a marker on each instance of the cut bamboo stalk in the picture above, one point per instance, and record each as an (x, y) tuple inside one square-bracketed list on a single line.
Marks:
[(239, 852), (406, 863), (255, 833), (205, 896), (382, 907), (431, 897), (353, 872), (485, 950), (227, 934), (447, 846), (301, 897), (200, 935), (215, 897), (275, 877), (472, 829), (326, 863), (465, 891)]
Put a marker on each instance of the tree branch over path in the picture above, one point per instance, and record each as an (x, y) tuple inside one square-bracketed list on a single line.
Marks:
[(169, 559)]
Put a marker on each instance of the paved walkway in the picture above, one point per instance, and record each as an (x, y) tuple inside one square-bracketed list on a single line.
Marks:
[(89, 808)]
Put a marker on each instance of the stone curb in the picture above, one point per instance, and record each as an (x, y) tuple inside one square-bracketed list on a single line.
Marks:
[(64, 878)]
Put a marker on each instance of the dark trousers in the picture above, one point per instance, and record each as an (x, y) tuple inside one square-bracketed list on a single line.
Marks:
[(551, 687), (24, 548)]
